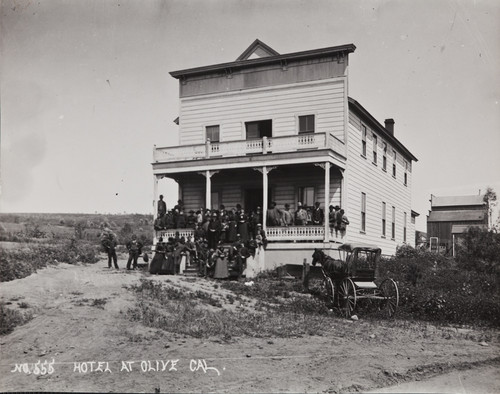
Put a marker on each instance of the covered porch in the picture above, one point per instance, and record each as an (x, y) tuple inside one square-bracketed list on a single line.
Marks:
[(258, 186)]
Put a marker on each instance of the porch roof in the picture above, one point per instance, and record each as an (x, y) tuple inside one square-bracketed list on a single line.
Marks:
[(249, 161)]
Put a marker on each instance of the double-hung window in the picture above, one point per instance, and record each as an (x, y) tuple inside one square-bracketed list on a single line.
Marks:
[(374, 149), (384, 213), (404, 227), (384, 157), (394, 163), (306, 195), (363, 140), (363, 212), (406, 174), (393, 227), (306, 124), (212, 133)]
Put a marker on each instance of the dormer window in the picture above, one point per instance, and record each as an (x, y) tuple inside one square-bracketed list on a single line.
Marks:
[(306, 124)]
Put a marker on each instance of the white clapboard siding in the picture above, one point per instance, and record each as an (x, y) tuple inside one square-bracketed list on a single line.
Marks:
[(280, 104), (379, 186)]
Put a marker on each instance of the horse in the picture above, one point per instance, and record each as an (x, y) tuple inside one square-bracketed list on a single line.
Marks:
[(335, 269)]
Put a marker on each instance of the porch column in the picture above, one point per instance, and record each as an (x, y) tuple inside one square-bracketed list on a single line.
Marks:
[(264, 197), (155, 196), (208, 190), (327, 201), (208, 187)]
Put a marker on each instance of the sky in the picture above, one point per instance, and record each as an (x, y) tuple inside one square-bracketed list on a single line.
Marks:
[(86, 93)]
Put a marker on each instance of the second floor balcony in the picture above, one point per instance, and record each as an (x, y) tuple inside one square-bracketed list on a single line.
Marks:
[(265, 145)]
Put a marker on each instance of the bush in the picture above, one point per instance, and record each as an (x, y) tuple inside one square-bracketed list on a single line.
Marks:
[(19, 263), (10, 318), (479, 249), (437, 288)]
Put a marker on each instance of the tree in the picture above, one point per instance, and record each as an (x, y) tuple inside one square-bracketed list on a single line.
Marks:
[(490, 198)]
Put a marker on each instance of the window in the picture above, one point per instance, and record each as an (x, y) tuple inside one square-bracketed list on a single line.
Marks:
[(404, 227), (259, 129), (394, 163), (363, 140), (374, 148), (363, 212), (306, 195), (393, 227), (214, 200), (212, 133), (406, 173), (384, 157), (306, 124), (383, 218)]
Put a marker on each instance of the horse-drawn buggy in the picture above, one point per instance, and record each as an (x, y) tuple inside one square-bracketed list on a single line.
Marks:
[(351, 276)]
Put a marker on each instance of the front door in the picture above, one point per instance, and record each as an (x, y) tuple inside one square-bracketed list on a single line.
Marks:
[(253, 199)]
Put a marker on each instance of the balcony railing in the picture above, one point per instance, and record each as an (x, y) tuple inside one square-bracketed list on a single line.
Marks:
[(254, 146), (274, 234)]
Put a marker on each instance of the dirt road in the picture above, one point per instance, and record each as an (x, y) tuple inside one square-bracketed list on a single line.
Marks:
[(80, 324)]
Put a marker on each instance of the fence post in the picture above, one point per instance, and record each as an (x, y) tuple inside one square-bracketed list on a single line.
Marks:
[(305, 274)]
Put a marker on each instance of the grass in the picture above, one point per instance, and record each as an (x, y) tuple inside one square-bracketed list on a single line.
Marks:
[(182, 311)]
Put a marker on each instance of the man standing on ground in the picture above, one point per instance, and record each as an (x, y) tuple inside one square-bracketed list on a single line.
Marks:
[(109, 244), (134, 248)]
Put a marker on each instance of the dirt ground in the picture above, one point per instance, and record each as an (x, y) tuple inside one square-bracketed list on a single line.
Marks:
[(80, 317)]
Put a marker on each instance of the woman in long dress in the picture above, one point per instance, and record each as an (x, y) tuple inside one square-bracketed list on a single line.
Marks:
[(159, 258), (168, 267), (221, 269), (243, 227)]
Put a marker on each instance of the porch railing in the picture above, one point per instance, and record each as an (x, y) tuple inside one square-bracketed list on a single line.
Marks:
[(255, 146), (274, 234)]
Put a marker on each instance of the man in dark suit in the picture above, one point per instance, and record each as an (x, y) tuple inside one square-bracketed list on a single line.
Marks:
[(162, 207), (134, 248), (317, 215)]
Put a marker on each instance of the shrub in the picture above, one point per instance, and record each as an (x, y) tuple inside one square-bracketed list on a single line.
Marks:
[(11, 318), (19, 263), (437, 288), (479, 249)]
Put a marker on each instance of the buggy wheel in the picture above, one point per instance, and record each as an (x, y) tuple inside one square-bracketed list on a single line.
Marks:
[(389, 291), (330, 291), (347, 297)]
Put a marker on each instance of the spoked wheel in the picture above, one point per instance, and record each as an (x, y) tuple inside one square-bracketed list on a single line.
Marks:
[(347, 297), (389, 290), (330, 291)]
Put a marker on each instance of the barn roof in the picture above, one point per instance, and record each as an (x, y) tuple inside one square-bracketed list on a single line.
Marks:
[(460, 228), (450, 201), (456, 216)]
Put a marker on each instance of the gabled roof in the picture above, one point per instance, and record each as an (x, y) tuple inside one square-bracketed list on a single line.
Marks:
[(258, 49), (381, 130), (451, 201), (456, 216), (265, 60)]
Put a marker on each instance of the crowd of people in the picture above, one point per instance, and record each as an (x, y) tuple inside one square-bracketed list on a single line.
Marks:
[(223, 224), (222, 239)]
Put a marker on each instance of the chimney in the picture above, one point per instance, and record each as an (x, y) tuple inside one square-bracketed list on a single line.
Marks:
[(389, 126)]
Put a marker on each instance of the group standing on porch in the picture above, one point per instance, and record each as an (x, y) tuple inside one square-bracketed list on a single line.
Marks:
[(214, 230)]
